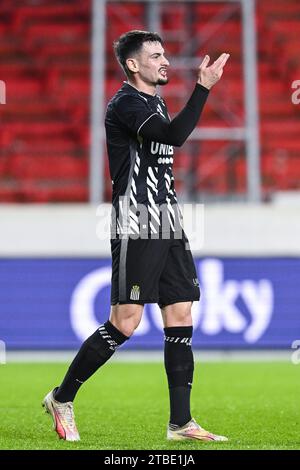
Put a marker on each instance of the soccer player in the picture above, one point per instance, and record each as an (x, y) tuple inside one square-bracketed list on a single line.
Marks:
[(151, 258)]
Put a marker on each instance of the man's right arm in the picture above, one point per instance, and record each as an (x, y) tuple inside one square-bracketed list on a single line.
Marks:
[(140, 120), (177, 131), (134, 113)]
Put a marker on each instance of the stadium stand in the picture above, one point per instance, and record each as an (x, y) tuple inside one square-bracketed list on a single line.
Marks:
[(45, 63), (45, 55)]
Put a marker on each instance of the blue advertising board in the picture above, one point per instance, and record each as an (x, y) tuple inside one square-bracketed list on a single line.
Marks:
[(56, 303)]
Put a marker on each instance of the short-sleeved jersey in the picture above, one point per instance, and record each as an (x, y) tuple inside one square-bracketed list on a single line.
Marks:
[(144, 198)]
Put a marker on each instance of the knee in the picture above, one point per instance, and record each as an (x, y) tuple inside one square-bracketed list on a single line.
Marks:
[(177, 315), (183, 319), (127, 325)]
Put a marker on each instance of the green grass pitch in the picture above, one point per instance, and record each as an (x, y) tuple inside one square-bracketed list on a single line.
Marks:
[(125, 406)]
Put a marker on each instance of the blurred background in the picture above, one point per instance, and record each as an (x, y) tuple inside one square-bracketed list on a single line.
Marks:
[(242, 163)]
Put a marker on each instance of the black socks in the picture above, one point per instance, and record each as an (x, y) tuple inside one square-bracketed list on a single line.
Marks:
[(94, 352), (101, 345), (179, 364)]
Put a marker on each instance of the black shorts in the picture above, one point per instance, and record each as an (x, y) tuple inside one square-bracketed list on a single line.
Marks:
[(153, 271)]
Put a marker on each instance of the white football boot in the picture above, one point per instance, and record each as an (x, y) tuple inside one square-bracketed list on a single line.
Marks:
[(192, 430), (63, 417)]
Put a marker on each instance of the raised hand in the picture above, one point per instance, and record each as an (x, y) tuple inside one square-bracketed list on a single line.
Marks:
[(209, 76)]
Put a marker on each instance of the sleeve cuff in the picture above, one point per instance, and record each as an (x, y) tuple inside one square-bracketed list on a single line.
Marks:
[(201, 87)]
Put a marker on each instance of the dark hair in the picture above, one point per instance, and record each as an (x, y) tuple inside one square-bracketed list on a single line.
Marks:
[(131, 43)]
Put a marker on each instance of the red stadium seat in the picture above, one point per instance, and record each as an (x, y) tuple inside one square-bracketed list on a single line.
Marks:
[(28, 167), (39, 34), (28, 14)]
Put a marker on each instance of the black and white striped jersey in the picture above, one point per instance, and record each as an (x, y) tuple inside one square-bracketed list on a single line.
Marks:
[(144, 198)]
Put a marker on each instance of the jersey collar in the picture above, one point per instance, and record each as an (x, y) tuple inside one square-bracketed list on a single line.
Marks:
[(127, 85)]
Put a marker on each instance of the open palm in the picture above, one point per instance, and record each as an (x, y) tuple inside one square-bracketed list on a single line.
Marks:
[(209, 76)]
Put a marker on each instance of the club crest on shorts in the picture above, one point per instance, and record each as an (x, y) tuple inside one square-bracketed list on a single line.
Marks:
[(135, 292)]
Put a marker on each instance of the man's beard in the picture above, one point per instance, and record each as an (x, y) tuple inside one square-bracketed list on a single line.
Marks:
[(162, 81)]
